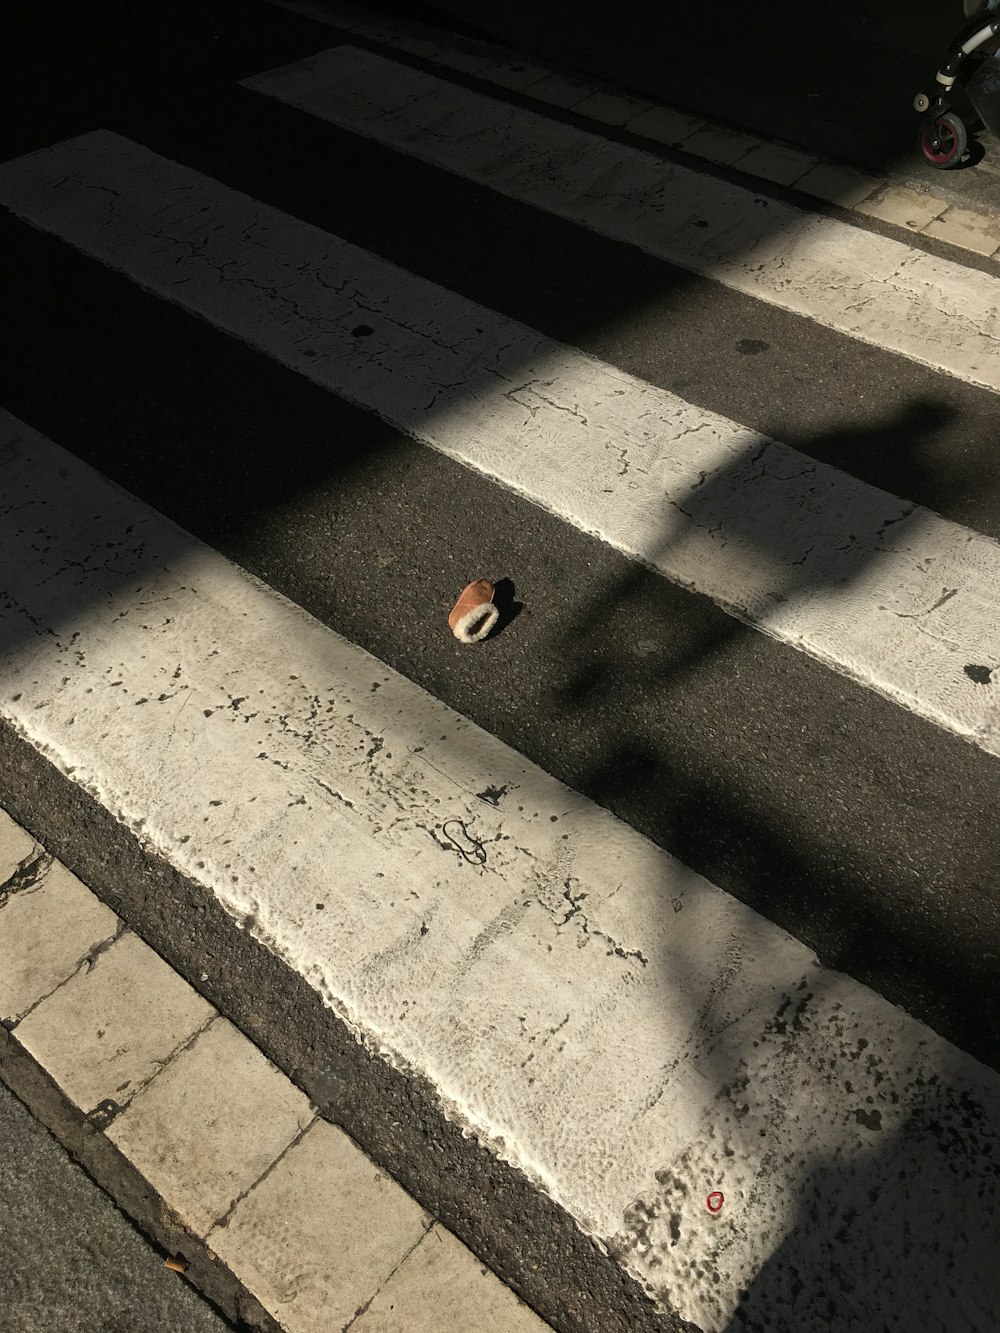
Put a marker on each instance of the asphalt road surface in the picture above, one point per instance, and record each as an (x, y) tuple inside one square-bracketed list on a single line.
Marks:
[(72, 1262)]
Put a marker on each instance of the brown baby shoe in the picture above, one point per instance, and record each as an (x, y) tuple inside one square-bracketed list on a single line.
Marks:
[(474, 615)]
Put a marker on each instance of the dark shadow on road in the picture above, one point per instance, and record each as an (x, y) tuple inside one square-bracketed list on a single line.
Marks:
[(828, 810), (838, 82)]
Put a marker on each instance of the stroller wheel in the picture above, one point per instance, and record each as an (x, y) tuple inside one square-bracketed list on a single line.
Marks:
[(946, 146)]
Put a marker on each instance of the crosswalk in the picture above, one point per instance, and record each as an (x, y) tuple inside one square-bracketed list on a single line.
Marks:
[(683, 887), (903, 605)]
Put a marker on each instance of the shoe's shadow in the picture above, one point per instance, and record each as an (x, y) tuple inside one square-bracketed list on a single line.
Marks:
[(506, 605)]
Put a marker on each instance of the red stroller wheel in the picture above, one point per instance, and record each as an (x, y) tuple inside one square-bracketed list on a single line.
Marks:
[(946, 146)]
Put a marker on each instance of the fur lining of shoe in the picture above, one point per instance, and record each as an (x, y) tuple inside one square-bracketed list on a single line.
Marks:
[(476, 624)]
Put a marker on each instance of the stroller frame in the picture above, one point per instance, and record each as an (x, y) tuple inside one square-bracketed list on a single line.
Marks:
[(943, 135)]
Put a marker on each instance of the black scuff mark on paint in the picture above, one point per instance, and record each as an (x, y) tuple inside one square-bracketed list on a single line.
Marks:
[(982, 675), (783, 1019), (574, 903), (946, 595), (870, 1119), (475, 853), (778, 1023), (752, 346), (493, 795), (575, 914), (891, 522)]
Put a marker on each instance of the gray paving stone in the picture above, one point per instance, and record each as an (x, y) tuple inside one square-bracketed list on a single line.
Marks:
[(416, 46), (320, 1234), (515, 75), (611, 109), (965, 228), (15, 846), (465, 62), (559, 91), (206, 1128), (440, 1287), (716, 144), (837, 185), (772, 162), (45, 932), (903, 206), (664, 125), (112, 1026)]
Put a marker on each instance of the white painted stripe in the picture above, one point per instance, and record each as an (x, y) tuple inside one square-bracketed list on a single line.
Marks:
[(872, 287), (614, 1025), (883, 591)]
